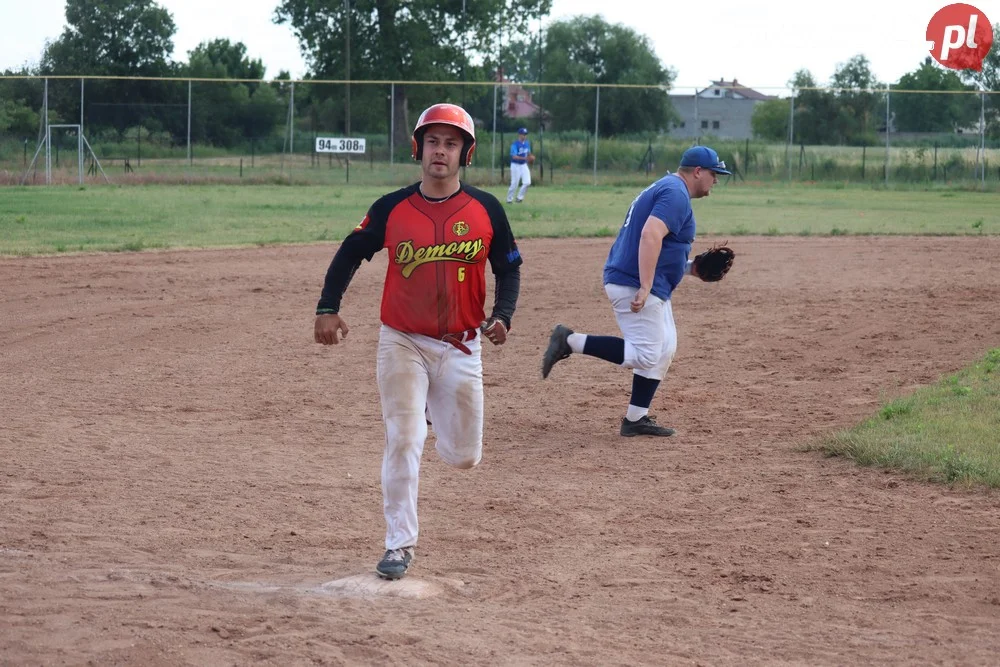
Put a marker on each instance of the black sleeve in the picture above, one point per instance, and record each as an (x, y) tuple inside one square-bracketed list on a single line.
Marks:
[(338, 277), (362, 243), (505, 259), (507, 289)]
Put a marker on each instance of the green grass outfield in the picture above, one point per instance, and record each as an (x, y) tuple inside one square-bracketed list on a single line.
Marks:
[(46, 220)]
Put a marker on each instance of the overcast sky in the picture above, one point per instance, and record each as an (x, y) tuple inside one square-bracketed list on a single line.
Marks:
[(760, 43)]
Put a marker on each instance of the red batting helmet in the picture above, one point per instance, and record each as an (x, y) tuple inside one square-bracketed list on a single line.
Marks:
[(446, 114)]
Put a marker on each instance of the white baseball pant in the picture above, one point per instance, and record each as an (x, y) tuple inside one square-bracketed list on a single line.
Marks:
[(519, 172), (650, 335), (421, 377)]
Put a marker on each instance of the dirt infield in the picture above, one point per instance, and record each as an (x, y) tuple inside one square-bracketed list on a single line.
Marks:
[(188, 479)]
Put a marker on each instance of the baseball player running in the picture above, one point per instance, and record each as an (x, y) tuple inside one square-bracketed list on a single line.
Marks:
[(646, 263), (439, 234), (520, 169)]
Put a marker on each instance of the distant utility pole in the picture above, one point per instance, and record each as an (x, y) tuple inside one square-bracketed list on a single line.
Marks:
[(465, 50), (541, 112), (347, 64), (465, 29)]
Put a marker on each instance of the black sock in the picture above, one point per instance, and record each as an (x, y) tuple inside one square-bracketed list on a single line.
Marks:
[(642, 391), (609, 348)]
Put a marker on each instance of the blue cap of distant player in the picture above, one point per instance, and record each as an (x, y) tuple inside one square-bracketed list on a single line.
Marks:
[(522, 130), (704, 157)]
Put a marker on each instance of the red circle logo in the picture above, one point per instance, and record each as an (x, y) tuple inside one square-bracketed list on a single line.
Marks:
[(961, 36)]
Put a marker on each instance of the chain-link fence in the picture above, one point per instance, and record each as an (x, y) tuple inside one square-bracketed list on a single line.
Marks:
[(171, 130)]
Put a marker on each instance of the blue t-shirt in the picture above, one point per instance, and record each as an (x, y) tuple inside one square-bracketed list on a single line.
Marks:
[(668, 200), (520, 149)]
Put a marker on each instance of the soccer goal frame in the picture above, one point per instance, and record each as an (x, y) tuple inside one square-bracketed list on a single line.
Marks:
[(81, 144)]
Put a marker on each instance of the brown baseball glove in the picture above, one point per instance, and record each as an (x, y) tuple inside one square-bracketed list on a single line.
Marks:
[(713, 264)]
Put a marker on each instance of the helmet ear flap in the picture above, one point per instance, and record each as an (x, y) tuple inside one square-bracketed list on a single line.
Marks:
[(416, 145), (467, 150)]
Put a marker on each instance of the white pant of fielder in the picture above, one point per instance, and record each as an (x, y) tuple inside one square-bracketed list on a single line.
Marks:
[(650, 335), (422, 378), (519, 172)]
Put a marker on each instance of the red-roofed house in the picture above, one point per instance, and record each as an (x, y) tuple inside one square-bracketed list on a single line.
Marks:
[(518, 103)]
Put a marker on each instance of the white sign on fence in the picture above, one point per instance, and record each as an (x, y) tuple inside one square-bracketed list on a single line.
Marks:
[(338, 145)]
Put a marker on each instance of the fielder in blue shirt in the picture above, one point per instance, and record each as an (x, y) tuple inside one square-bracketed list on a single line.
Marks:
[(647, 261), (520, 166)]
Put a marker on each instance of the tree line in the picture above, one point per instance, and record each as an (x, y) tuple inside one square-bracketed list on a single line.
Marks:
[(486, 40), (444, 41), (852, 109)]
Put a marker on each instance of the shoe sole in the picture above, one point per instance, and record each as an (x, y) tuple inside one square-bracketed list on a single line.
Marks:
[(390, 577), (652, 435)]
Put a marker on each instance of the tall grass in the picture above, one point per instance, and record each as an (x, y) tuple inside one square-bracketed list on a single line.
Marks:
[(564, 158)]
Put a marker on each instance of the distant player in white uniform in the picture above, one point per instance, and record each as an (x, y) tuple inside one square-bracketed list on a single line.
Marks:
[(520, 166), (646, 263)]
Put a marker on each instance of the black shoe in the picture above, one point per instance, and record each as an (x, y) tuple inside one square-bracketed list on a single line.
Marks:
[(558, 348), (395, 562), (644, 426)]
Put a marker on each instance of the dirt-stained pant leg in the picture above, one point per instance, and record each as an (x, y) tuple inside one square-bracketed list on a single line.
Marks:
[(403, 379), (455, 403), (650, 335)]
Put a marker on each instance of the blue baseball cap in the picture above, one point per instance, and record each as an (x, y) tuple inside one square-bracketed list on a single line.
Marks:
[(704, 157), (522, 130)]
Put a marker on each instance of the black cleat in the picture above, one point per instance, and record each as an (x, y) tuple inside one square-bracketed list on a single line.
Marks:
[(644, 426), (395, 562), (558, 348)]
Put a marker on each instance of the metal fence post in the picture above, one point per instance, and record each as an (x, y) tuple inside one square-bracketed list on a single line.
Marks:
[(392, 123), (982, 132), (597, 117), (79, 154), (791, 134), (79, 139), (697, 122), (189, 123), (48, 135), (888, 127), (493, 153)]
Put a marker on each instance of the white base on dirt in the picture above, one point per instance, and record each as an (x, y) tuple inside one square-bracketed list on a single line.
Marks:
[(370, 585)]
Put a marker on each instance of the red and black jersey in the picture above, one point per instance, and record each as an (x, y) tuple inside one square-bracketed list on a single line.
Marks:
[(436, 279)]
